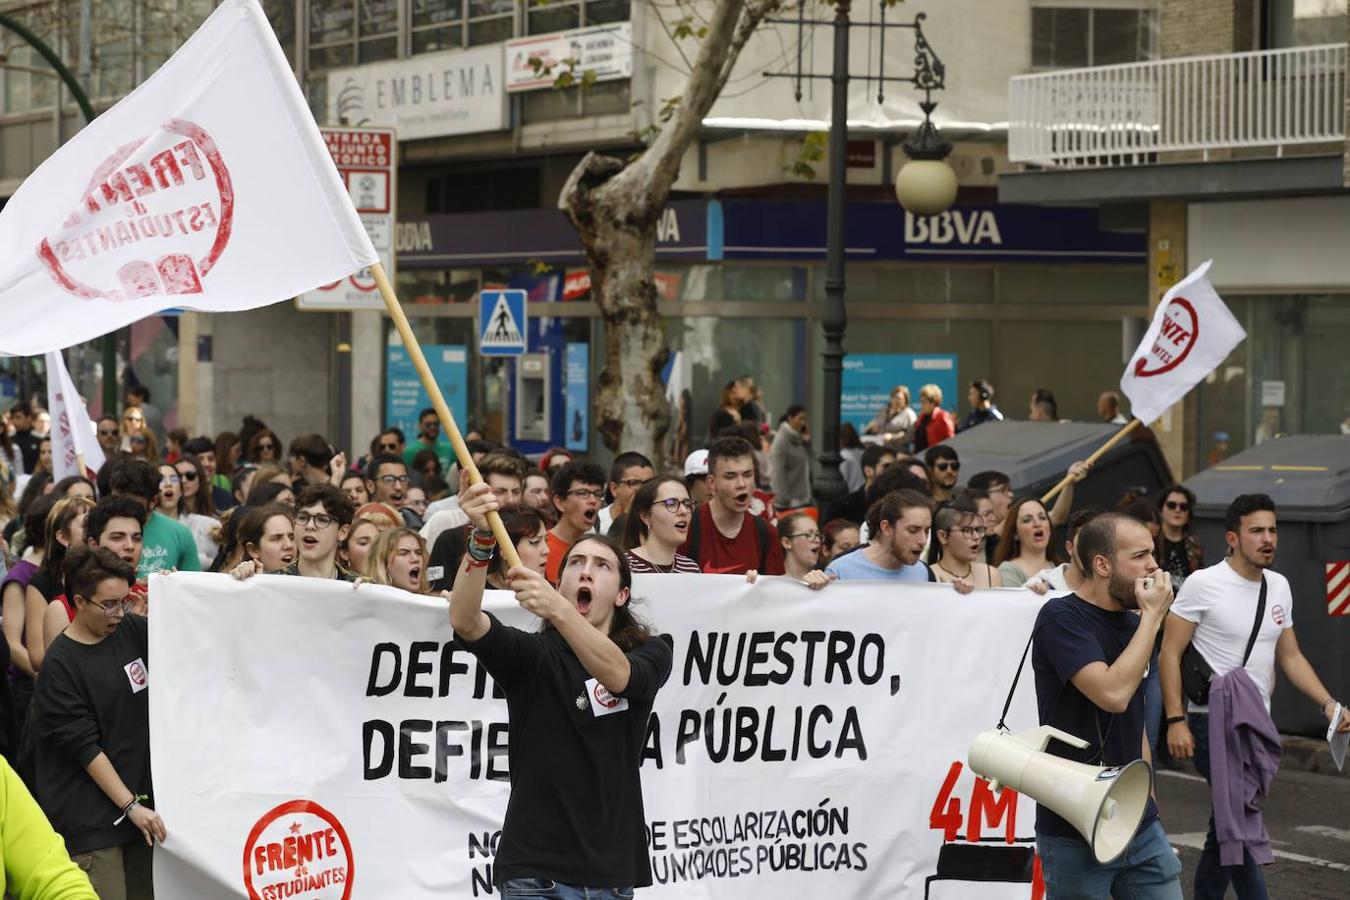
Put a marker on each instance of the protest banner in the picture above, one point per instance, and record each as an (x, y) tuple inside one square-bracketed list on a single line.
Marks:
[(314, 739), (75, 448), (207, 188)]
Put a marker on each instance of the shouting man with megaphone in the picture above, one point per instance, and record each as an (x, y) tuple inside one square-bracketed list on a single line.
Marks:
[(1090, 653)]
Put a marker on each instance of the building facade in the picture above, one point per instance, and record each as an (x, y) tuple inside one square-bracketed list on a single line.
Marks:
[(1018, 294)]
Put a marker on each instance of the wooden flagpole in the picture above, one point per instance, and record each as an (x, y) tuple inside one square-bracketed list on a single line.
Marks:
[(504, 545), (1100, 452)]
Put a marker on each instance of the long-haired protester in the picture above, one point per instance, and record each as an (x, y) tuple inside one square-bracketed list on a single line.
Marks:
[(838, 537), (91, 729), (658, 523), (267, 534), (63, 529), (525, 525), (13, 600), (579, 693), (1026, 548), (1182, 553), (198, 507), (958, 552), (367, 524), (398, 558), (800, 536)]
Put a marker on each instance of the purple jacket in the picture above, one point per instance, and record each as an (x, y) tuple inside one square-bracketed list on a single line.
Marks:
[(1244, 754)]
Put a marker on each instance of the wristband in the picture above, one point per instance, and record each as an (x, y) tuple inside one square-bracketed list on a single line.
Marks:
[(481, 553), (472, 564), (484, 537), (1172, 720)]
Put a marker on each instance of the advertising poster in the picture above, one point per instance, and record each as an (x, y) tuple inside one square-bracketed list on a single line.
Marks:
[(404, 396), (870, 377), (577, 396)]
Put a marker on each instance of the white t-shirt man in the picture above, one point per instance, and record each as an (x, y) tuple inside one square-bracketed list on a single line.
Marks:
[(1222, 604)]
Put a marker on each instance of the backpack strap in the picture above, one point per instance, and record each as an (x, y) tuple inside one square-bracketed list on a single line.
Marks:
[(695, 535), (762, 531)]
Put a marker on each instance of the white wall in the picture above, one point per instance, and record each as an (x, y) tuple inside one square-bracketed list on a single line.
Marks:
[(1294, 244)]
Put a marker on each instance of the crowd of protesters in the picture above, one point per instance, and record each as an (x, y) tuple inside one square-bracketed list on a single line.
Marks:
[(77, 552)]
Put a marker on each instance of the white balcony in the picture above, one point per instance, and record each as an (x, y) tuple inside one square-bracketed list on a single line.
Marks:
[(1128, 114)]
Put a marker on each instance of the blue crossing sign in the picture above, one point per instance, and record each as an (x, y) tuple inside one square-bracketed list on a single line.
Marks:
[(501, 323)]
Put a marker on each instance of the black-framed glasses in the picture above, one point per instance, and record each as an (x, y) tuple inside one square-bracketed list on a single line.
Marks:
[(393, 479), (947, 466), (673, 503), (585, 494), (809, 535), (320, 520), (1182, 506), (632, 482), (114, 610), (974, 532)]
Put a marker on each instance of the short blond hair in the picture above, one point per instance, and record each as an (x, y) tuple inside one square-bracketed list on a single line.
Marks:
[(932, 393)]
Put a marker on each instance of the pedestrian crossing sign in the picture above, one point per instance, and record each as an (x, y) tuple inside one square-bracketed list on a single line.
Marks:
[(501, 323)]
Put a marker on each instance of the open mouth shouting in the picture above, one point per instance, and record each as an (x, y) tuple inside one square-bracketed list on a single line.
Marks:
[(583, 600), (1040, 536), (743, 500), (589, 516), (415, 575), (309, 543)]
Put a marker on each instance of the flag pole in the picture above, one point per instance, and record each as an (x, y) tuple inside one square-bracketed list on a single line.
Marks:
[(1100, 452), (504, 545)]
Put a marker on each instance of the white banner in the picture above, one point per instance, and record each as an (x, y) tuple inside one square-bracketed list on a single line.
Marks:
[(208, 188), (598, 53), (318, 740), (1191, 333), (73, 433)]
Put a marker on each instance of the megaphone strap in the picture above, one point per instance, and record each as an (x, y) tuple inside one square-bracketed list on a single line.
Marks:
[(1007, 704), (1096, 719)]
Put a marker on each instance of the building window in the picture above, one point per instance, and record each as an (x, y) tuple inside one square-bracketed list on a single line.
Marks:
[(347, 32), (549, 16), (1302, 23), (1066, 36), (437, 25), (30, 84)]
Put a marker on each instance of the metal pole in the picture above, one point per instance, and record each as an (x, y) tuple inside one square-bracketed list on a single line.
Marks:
[(830, 484)]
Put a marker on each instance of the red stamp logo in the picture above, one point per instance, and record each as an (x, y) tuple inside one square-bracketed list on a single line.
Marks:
[(154, 220), (298, 849), (137, 672), (604, 697), (1277, 614), (1180, 330)]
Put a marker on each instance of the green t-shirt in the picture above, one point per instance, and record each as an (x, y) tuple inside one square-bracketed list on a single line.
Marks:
[(444, 453), (166, 544)]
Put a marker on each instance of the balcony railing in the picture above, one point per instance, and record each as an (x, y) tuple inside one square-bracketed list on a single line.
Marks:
[(1128, 114)]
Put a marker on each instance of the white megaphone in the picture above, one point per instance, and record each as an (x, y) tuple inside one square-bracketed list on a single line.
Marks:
[(1105, 804)]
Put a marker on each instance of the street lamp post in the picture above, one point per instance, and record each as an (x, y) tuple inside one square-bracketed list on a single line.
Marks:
[(925, 186)]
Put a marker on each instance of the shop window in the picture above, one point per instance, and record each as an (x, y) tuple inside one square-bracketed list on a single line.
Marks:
[(552, 104), (1072, 286), (873, 283), (484, 190), (745, 283), (1068, 35), (1075, 360), (430, 287)]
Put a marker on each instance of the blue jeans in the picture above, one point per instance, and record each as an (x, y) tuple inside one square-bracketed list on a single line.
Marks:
[(1211, 878), (547, 889), (1147, 870)]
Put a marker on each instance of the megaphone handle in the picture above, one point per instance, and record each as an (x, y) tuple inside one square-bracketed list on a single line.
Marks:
[(1007, 704)]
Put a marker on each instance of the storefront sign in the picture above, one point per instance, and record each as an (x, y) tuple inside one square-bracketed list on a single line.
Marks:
[(367, 161), (536, 62), (870, 377), (404, 396), (576, 396), (456, 92)]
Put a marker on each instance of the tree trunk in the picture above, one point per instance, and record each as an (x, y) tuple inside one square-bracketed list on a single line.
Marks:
[(615, 208)]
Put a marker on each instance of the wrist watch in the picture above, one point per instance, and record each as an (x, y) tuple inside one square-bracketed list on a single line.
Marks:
[(1172, 720)]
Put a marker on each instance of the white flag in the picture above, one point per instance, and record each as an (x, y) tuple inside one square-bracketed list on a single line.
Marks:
[(208, 187), (73, 435), (1192, 332)]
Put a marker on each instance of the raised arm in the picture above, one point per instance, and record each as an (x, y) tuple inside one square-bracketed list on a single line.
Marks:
[(466, 597), (1059, 513)]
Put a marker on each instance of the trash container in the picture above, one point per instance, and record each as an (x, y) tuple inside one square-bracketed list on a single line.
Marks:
[(1308, 477), (1036, 455)]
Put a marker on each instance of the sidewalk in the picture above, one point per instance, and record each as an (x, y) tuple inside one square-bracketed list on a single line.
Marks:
[(1305, 754)]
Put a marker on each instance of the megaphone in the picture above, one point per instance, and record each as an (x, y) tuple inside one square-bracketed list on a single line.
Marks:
[(1104, 803)]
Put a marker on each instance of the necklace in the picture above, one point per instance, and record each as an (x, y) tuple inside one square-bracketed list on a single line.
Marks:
[(663, 570), (969, 571)]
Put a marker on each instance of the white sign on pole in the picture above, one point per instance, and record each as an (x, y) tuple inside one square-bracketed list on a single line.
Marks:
[(367, 161), (429, 95), (335, 741), (535, 62)]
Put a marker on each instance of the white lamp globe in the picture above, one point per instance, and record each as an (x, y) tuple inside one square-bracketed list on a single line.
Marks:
[(925, 187)]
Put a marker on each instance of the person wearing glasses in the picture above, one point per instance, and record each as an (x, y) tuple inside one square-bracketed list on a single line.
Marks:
[(265, 447), (109, 435), (322, 519), (657, 524), (387, 480), (800, 537), (91, 730), (957, 555), (629, 472), (943, 467), (133, 420), (578, 491), (1182, 553), (169, 544)]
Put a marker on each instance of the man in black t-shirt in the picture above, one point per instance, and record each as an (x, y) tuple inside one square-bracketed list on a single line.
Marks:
[(1090, 652), (91, 730), (579, 694)]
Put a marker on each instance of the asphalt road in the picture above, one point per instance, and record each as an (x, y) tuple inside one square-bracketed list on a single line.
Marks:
[(1307, 816)]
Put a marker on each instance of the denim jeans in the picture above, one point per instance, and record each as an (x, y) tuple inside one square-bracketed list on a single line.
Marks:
[(1147, 870), (1211, 878), (1153, 706), (547, 889)]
